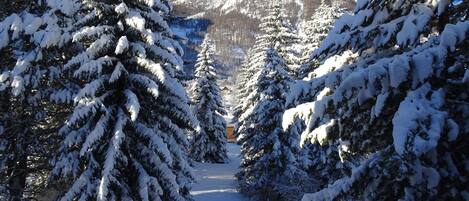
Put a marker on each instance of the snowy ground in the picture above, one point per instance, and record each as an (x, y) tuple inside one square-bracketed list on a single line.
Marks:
[(216, 182)]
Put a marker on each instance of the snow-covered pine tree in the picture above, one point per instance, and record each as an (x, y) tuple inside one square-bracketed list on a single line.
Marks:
[(30, 47), (126, 138), (277, 30), (209, 143), (269, 167), (315, 30), (246, 71), (380, 25), (410, 70)]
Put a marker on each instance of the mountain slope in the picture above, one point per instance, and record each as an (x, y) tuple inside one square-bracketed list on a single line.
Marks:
[(234, 23), (233, 26)]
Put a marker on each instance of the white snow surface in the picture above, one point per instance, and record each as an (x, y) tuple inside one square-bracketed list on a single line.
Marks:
[(216, 182)]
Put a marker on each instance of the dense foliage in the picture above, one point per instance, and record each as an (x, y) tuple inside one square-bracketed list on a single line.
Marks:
[(110, 66), (209, 143), (384, 114)]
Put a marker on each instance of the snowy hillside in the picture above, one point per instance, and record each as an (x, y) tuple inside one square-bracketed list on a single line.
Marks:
[(234, 23), (254, 8)]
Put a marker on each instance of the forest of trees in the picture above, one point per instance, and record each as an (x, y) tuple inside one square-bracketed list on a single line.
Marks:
[(363, 104), (91, 103), (378, 110)]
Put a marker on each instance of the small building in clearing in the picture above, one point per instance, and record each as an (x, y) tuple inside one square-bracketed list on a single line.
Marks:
[(230, 137)]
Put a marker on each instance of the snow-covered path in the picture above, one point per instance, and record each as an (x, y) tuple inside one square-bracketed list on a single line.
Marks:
[(216, 182)]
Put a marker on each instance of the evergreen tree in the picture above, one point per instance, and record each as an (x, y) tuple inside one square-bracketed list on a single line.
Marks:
[(315, 30), (277, 30), (269, 167), (208, 144), (247, 71), (400, 61), (126, 137), (30, 43)]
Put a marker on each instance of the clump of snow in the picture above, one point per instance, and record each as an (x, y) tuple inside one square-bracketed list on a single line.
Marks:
[(89, 90), (122, 45), (423, 69), (301, 111), (118, 70), (32, 24), (132, 105), (380, 102), (398, 70), (17, 85), (415, 109), (334, 63), (453, 34), (135, 20), (308, 112), (413, 24), (21, 66), (323, 93), (68, 7), (320, 133), (453, 130), (4, 76), (121, 8)]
